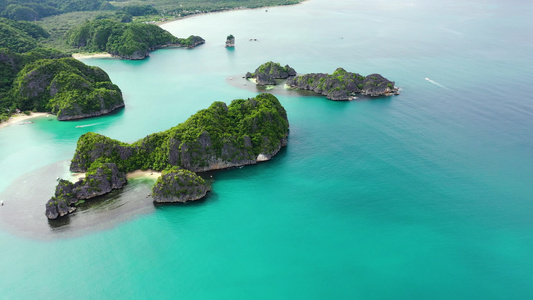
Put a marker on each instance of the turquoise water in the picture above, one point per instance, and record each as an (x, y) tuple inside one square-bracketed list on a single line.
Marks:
[(426, 195)]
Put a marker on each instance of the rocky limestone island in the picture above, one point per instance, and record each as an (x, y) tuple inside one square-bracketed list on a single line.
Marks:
[(267, 73), (101, 179), (342, 85), (66, 87), (230, 41), (179, 186), (125, 40), (222, 136)]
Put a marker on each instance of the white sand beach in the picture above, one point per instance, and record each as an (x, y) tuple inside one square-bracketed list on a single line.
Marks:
[(20, 118), (91, 55)]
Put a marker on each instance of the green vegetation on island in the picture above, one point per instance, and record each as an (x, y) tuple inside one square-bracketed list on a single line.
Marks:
[(99, 180), (179, 185), (31, 10), (221, 136), (66, 87), (267, 73), (214, 138), (47, 80), (20, 36), (343, 85), (230, 41), (11, 64), (127, 40)]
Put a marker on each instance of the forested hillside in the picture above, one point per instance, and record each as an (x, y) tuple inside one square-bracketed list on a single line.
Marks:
[(20, 36), (127, 40), (31, 10), (47, 80)]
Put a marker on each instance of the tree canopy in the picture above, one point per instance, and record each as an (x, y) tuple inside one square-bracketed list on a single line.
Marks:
[(122, 39)]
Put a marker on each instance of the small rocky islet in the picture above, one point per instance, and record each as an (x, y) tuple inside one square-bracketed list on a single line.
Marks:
[(340, 85), (222, 136), (179, 185), (230, 41), (267, 73), (100, 180)]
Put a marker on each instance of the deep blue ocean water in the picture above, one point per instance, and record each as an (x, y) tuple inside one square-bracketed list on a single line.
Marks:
[(425, 195)]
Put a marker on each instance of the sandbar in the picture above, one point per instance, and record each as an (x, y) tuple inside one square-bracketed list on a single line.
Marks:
[(74, 177)]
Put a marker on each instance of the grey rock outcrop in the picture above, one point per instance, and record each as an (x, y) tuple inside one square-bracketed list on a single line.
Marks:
[(230, 41), (103, 180), (78, 115), (342, 85), (179, 186), (267, 73), (264, 79)]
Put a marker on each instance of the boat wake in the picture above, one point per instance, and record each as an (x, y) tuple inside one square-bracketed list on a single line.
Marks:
[(437, 84), (88, 125)]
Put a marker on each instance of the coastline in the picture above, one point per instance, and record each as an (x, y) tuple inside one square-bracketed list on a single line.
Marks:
[(223, 11), (21, 118), (81, 55), (91, 55)]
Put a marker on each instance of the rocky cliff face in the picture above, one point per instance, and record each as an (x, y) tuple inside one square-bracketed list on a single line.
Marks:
[(66, 87), (100, 181), (77, 114), (342, 85), (137, 55), (190, 42), (230, 41), (267, 73), (202, 155), (217, 138), (179, 186)]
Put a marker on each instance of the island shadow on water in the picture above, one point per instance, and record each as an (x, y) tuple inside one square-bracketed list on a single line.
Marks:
[(23, 212), (25, 198)]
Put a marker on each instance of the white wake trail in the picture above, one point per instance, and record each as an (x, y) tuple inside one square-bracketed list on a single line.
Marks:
[(81, 126), (437, 84)]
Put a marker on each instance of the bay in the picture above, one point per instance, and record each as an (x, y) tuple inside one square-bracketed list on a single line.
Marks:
[(422, 195)]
